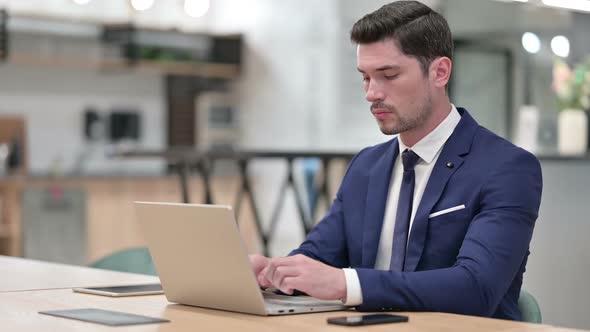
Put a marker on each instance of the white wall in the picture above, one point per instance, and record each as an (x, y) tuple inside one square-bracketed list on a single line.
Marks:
[(559, 266), (493, 18), (288, 79), (52, 102)]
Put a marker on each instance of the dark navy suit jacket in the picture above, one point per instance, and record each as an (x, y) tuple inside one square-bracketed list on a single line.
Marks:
[(469, 261)]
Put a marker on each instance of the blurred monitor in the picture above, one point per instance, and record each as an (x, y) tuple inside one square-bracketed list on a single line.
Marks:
[(124, 125)]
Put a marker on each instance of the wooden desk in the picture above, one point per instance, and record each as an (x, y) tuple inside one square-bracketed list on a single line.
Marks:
[(19, 312), (19, 309), (18, 274)]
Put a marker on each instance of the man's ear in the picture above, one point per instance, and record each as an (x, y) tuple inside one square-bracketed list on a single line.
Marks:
[(440, 71)]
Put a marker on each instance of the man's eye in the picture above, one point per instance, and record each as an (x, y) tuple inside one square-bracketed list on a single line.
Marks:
[(365, 79), (391, 77)]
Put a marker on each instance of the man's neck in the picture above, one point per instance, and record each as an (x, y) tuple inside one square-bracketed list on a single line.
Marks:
[(439, 113)]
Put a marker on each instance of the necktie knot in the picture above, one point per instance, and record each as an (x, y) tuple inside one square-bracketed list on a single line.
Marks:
[(409, 159)]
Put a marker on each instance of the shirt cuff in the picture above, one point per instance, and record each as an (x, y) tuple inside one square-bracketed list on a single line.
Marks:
[(354, 294)]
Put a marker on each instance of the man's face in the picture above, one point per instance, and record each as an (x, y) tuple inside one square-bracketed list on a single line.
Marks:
[(395, 85)]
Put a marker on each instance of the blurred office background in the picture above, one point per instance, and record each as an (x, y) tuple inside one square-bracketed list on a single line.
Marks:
[(103, 102)]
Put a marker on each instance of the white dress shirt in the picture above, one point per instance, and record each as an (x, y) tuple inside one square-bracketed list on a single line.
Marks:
[(428, 149)]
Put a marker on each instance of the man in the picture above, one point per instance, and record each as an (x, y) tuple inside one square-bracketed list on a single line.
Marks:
[(439, 218)]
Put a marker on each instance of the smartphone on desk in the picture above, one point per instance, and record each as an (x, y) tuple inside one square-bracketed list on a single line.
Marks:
[(367, 319), (117, 291)]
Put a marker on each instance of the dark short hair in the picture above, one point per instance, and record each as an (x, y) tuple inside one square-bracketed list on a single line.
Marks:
[(418, 30)]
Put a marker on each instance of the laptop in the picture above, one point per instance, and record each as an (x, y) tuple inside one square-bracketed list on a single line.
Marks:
[(202, 261)]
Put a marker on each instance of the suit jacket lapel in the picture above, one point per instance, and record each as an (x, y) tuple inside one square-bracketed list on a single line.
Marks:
[(377, 192), (453, 151)]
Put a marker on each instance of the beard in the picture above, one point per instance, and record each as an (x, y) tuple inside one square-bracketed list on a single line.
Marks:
[(414, 118)]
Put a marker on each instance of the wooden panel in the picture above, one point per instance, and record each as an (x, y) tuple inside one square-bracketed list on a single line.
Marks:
[(14, 128), (111, 223), (10, 218), (111, 219)]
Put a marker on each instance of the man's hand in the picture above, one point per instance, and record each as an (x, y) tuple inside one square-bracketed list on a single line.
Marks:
[(302, 273), (259, 264)]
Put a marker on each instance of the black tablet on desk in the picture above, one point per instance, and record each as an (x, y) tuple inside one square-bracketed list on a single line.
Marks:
[(127, 290), (105, 317)]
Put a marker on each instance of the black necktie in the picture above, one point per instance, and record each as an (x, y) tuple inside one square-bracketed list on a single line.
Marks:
[(404, 212)]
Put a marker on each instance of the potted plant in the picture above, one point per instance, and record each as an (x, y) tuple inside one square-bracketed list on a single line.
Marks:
[(572, 88)]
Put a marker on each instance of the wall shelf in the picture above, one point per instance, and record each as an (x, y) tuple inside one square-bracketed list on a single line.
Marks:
[(208, 70), (117, 47), (183, 68)]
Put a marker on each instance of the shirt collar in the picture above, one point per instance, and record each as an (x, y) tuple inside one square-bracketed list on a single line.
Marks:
[(428, 147)]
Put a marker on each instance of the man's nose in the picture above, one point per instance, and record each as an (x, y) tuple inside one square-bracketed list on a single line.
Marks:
[(373, 93)]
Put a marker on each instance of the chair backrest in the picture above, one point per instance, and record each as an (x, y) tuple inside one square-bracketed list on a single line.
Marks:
[(134, 260), (529, 308)]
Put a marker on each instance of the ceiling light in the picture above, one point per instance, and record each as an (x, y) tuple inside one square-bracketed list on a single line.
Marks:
[(81, 2), (196, 8), (141, 5), (560, 46), (531, 42), (583, 5)]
